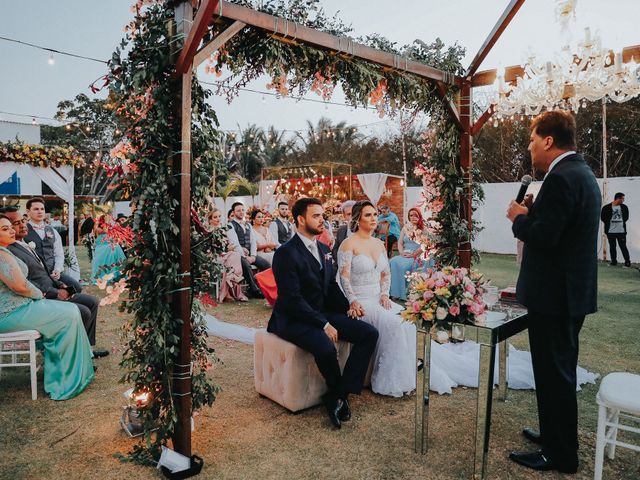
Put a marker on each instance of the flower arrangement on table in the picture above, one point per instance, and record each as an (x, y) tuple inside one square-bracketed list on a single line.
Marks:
[(448, 294)]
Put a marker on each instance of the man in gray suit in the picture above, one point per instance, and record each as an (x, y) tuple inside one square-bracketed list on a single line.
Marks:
[(41, 278), (343, 231)]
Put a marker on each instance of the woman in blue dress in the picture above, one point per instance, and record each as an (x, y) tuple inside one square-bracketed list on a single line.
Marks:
[(409, 257), (108, 255), (68, 367)]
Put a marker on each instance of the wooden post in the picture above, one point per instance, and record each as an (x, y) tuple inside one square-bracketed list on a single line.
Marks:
[(181, 301), (466, 197)]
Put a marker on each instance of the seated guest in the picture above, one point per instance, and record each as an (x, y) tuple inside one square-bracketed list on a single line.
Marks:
[(48, 243), (386, 215), (264, 241), (326, 236), (68, 367), (52, 289), (343, 230), (409, 259), (281, 228), (231, 261), (108, 255), (240, 235)]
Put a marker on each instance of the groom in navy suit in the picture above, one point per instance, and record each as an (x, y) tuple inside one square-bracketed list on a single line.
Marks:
[(311, 311)]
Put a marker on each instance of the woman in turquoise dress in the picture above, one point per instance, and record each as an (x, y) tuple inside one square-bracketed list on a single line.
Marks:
[(68, 367), (108, 255), (409, 258)]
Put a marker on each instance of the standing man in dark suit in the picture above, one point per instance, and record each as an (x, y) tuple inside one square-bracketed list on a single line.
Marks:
[(343, 230), (557, 283), (615, 215), (41, 278), (311, 311)]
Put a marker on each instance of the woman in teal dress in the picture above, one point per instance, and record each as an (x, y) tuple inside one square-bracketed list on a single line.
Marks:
[(409, 257), (108, 255), (68, 367)]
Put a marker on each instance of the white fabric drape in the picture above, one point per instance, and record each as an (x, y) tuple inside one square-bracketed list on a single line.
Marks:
[(60, 180), (266, 196), (7, 169), (373, 185)]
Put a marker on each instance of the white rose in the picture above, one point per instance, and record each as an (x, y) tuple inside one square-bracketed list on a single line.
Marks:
[(442, 336), (32, 245), (441, 313)]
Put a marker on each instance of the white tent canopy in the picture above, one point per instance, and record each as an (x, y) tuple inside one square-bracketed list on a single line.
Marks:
[(60, 180)]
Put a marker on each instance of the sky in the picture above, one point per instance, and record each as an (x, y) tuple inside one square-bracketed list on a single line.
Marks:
[(29, 85)]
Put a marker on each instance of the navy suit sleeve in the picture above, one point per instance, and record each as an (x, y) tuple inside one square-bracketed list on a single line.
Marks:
[(551, 212), (290, 299)]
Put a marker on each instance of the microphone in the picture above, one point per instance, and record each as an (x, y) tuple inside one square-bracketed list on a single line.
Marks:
[(526, 181)]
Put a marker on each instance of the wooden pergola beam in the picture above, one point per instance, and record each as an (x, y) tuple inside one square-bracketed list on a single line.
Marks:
[(449, 106), (476, 127), (217, 42), (493, 37), (293, 31), (487, 77), (198, 29)]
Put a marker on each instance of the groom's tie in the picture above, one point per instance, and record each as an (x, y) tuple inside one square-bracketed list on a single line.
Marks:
[(313, 248)]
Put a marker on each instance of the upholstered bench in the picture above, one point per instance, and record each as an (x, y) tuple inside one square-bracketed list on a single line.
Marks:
[(287, 374)]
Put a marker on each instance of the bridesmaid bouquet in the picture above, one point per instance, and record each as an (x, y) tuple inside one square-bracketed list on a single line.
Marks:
[(449, 294)]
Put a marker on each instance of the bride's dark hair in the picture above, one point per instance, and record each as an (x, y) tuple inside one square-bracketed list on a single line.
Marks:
[(356, 213)]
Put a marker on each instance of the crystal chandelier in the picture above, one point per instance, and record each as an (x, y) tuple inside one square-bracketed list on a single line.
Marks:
[(569, 81)]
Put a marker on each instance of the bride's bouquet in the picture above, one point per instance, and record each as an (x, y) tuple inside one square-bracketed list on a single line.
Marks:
[(449, 294)]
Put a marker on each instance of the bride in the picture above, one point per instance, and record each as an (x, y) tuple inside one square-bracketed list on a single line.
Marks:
[(364, 275)]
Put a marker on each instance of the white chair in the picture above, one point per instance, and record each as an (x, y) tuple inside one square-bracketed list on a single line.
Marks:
[(619, 392), (8, 348)]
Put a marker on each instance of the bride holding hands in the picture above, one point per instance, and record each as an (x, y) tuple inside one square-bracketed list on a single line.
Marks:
[(364, 274)]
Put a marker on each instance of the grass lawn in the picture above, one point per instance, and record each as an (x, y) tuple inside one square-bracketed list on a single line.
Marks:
[(244, 436)]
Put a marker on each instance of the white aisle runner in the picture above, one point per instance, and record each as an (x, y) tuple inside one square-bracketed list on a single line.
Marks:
[(230, 331)]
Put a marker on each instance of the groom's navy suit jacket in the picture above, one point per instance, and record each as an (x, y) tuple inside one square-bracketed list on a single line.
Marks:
[(305, 291)]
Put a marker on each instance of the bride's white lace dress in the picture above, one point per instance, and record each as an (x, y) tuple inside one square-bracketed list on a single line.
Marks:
[(394, 370)]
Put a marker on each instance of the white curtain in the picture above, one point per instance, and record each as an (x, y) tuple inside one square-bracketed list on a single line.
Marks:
[(7, 169), (373, 185), (60, 180), (266, 196)]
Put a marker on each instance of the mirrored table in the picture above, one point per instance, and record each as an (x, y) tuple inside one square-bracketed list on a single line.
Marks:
[(503, 322)]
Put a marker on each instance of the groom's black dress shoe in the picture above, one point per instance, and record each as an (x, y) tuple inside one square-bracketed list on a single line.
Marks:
[(536, 460), (531, 435), (333, 410), (345, 412)]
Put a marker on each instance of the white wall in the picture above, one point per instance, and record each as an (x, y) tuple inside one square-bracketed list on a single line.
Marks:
[(497, 237), (23, 131)]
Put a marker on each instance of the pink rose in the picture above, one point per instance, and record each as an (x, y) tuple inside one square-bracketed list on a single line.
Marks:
[(454, 310), (470, 288), (416, 307), (440, 283), (428, 295)]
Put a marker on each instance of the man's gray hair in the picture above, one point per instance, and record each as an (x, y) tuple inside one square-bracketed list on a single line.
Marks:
[(347, 204)]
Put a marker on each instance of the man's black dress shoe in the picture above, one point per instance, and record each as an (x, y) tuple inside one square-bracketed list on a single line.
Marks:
[(333, 410), (345, 412), (531, 435), (100, 353), (536, 460)]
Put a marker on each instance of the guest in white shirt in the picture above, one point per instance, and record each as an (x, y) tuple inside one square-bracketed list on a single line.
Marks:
[(48, 243), (281, 229), (241, 235)]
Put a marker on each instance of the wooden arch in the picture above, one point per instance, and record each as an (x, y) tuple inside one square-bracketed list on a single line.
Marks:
[(193, 53)]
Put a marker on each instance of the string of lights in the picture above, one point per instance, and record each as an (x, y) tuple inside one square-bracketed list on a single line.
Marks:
[(51, 51)]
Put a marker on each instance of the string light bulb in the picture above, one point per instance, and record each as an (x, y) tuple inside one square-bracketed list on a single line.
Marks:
[(51, 60)]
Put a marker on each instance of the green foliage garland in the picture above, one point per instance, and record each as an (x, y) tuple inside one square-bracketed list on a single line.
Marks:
[(143, 97)]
